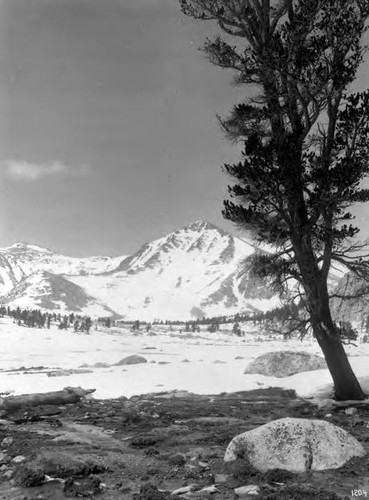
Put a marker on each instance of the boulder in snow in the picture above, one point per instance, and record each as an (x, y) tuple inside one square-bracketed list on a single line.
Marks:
[(296, 445), (285, 363), (134, 359)]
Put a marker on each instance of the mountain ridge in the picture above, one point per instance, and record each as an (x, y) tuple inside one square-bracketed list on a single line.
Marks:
[(195, 270)]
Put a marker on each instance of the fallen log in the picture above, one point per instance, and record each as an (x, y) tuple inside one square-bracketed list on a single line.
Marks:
[(24, 401)]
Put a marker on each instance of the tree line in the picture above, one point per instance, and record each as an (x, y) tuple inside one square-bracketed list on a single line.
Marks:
[(35, 318)]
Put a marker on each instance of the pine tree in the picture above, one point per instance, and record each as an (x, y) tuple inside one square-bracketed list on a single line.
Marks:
[(88, 324), (306, 145), (236, 329)]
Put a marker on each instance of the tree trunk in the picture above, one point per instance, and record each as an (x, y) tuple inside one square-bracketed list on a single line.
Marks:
[(327, 334), (346, 385)]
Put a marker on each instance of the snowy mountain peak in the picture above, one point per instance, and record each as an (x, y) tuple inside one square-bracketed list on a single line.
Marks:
[(19, 244), (201, 225), (22, 259), (23, 246), (196, 271)]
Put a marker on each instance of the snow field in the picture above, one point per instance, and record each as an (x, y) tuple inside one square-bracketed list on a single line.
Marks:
[(211, 365)]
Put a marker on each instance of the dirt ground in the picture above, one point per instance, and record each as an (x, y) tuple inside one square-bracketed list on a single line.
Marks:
[(149, 446)]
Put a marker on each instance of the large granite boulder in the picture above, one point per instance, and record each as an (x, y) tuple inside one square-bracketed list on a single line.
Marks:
[(285, 363), (296, 445)]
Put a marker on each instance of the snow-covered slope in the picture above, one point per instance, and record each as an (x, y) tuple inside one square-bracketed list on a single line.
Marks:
[(44, 290), (197, 271), (22, 259)]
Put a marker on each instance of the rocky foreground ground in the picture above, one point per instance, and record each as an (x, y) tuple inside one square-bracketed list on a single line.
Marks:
[(162, 446)]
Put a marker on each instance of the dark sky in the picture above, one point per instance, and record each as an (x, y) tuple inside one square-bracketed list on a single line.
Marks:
[(108, 134)]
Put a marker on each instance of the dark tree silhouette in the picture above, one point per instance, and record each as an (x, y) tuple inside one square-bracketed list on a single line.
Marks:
[(306, 145)]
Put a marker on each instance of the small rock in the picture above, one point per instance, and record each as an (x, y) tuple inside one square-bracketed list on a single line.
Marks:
[(220, 478), (143, 441), (177, 459), (3, 458), (28, 476), (351, 411), (201, 494), (18, 459), (134, 359), (8, 474), (6, 422), (328, 415), (49, 479), (6, 442), (251, 489), (209, 489), (86, 487), (190, 467), (185, 489), (204, 465)]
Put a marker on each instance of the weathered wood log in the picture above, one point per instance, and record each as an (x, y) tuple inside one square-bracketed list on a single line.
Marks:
[(67, 396)]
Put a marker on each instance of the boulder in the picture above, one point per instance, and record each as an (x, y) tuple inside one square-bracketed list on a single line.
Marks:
[(251, 489), (296, 445), (285, 363), (134, 359)]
